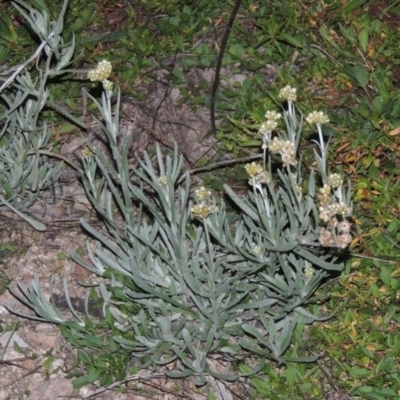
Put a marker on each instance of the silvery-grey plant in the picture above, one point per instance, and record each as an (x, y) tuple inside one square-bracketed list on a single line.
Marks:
[(211, 284), (26, 172)]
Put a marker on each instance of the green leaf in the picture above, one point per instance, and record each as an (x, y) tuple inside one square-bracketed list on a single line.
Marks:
[(178, 74), (262, 386), (125, 343), (6, 247), (40, 5), (242, 204), (291, 374), (236, 50), (363, 39), (353, 5), (372, 393), (361, 75), (36, 224), (178, 374), (304, 359), (83, 356), (47, 363), (318, 260), (255, 304), (291, 39), (357, 372), (189, 62), (211, 396), (62, 257), (4, 54), (312, 317), (246, 344), (93, 375), (224, 377), (80, 382), (94, 341), (385, 276), (17, 348), (179, 43), (247, 371)]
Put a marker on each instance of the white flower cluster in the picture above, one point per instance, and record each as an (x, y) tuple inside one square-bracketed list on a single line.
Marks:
[(202, 193), (107, 85), (309, 272), (288, 93), (101, 72), (288, 154), (328, 207), (276, 145), (203, 209), (337, 234), (163, 180), (270, 123), (335, 180), (286, 149), (257, 174), (272, 116), (266, 126), (87, 152), (317, 118), (262, 178), (327, 211), (253, 169), (324, 196)]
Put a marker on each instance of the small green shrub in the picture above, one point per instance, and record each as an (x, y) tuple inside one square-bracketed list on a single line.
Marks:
[(184, 281), (209, 282), (26, 172)]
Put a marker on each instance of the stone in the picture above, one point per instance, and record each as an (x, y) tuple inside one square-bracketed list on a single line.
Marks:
[(56, 388)]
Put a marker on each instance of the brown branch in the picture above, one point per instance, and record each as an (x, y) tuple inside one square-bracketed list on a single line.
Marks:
[(219, 62)]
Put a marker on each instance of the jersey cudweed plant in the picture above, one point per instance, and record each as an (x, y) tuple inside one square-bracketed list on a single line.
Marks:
[(186, 286), (26, 172), (208, 284)]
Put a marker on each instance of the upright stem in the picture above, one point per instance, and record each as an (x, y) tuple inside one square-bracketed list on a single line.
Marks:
[(323, 149)]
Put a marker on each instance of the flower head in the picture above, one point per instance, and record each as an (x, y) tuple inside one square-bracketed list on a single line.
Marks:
[(104, 69), (326, 238), (267, 126), (202, 193), (343, 240), (309, 272), (272, 116), (163, 180), (344, 226), (262, 178), (202, 210), (326, 190), (335, 180), (101, 72), (107, 85), (288, 153), (288, 93), (87, 152), (317, 118), (253, 169), (276, 145)]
